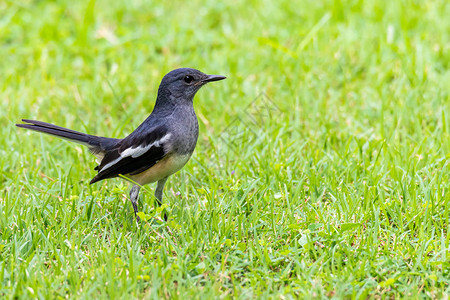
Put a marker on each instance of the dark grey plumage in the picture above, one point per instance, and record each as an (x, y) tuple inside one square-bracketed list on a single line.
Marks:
[(157, 148), (96, 144)]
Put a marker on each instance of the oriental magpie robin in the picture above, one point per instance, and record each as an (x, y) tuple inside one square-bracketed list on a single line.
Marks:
[(158, 148)]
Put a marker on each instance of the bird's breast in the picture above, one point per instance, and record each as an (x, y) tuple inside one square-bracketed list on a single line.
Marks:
[(163, 168)]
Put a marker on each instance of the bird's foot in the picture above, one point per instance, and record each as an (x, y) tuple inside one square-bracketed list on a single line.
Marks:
[(135, 208)]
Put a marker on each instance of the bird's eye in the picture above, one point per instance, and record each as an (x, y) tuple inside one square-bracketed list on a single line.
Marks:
[(188, 78)]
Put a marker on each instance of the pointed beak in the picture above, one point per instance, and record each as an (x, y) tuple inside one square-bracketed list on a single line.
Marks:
[(214, 78)]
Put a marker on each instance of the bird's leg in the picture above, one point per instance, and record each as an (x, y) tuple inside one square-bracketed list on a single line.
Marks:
[(134, 195), (159, 193)]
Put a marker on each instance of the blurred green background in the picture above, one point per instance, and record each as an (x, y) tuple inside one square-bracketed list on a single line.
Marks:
[(340, 191)]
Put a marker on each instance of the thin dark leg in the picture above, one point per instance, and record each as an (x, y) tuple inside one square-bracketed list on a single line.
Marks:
[(159, 194), (134, 195)]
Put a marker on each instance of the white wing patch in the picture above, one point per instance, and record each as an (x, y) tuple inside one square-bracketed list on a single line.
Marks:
[(135, 152), (138, 151)]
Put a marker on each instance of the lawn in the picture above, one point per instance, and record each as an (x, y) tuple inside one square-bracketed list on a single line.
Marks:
[(322, 167)]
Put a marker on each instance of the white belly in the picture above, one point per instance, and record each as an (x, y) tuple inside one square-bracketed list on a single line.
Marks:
[(163, 168)]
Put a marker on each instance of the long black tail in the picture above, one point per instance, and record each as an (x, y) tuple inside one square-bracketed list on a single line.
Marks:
[(97, 144)]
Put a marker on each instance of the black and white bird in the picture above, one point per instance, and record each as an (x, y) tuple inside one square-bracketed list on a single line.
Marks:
[(158, 148)]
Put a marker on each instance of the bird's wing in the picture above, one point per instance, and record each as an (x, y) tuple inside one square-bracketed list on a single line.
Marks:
[(134, 154)]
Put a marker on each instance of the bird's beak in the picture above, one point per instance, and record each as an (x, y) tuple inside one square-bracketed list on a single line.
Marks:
[(213, 78)]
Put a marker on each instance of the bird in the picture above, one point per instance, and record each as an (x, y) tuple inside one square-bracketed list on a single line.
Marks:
[(157, 148)]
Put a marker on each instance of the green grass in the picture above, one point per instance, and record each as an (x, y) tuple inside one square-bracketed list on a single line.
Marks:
[(334, 182)]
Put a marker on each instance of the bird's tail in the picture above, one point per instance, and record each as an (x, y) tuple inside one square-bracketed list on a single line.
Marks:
[(97, 145)]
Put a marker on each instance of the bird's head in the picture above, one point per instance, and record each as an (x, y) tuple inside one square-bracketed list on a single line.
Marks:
[(183, 83)]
